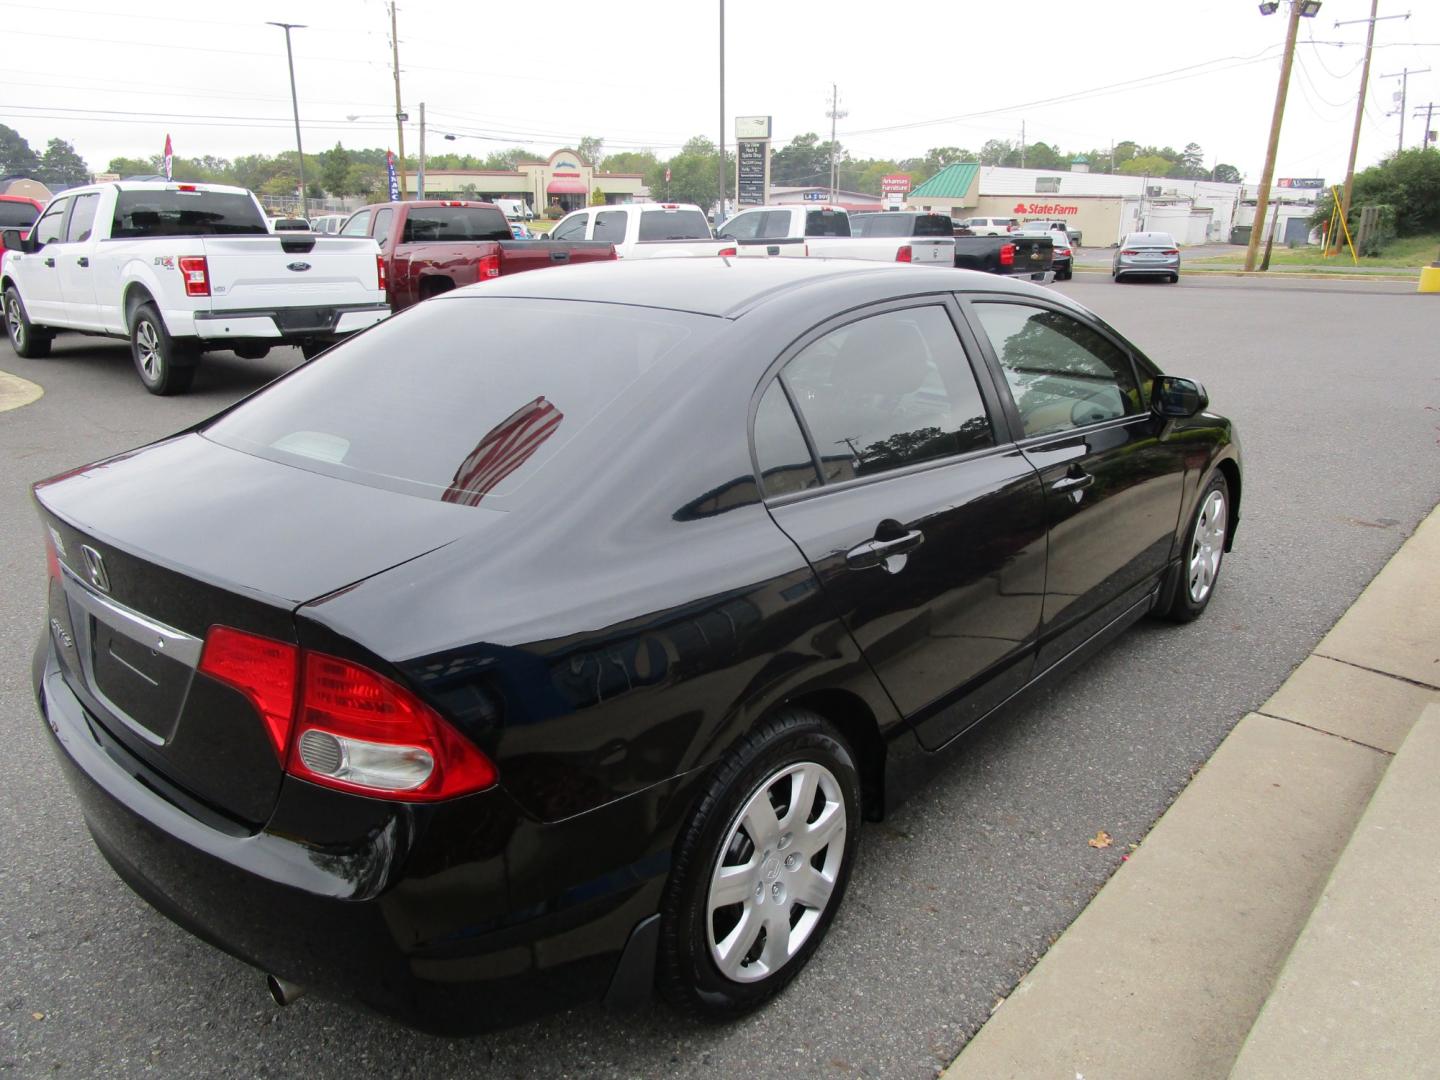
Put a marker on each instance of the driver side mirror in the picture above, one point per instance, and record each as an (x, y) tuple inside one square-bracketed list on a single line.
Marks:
[(1178, 398)]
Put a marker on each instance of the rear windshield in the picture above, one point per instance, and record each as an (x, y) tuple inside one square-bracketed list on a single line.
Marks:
[(186, 213), (1150, 240), (674, 225), (827, 223), (17, 215), (502, 387), (424, 224)]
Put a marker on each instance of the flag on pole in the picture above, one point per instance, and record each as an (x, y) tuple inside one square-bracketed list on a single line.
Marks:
[(169, 157), (394, 181)]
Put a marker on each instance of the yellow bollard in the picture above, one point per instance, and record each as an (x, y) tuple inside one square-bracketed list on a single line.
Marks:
[(1430, 278)]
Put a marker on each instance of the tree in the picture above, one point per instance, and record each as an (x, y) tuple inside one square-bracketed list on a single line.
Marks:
[(631, 161), (508, 160), (694, 174), (62, 166), (597, 198), (1192, 162), (591, 150), (16, 157), (999, 152), (1152, 165), (804, 161), (1226, 174), (1044, 156), (127, 166), (334, 170), (364, 179), (1410, 182)]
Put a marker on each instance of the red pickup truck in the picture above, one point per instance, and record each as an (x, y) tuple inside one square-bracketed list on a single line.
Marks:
[(433, 246)]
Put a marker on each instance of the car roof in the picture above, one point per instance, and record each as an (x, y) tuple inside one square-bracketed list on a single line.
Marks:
[(729, 288)]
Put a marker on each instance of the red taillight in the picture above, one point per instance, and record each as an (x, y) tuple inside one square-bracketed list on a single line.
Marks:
[(904, 254), (1170, 251), (1007, 254), (196, 272), (261, 668), (1127, 252), (489, 266), (335, 723), (727, 253), (185, 187), (380, 272)]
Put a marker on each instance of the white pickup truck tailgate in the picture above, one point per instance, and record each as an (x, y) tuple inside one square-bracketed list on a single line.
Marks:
[(257, 273), (924, 251)]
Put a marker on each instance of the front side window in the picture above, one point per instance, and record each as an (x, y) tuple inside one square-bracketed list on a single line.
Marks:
[(572, 228), (47, 229), (82, 218), (780, 449), (887, 391), (359, 225), (1062, 373), (743, 226)]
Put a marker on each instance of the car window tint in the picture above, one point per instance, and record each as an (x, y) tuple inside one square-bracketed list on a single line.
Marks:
[(933, 225), (610, 225), (571, 228), (674, 225), (463, 224), (882, 225), (500, 391), (827, 222), (785, 463), (775, 225), (744, 226), (887, 391), (383, 218), (82, 218), (359, 225), (47, 229), (181, 212), (1062, 373)]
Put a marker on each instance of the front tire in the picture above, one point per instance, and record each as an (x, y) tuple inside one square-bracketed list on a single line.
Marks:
[(1199, 569), (164, 367), (24, 338), (760, 868)]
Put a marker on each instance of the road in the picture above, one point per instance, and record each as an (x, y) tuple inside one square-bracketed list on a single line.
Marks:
[(1334, 389)]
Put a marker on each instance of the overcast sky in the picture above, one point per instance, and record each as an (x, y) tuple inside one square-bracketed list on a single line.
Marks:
[(114, 77)]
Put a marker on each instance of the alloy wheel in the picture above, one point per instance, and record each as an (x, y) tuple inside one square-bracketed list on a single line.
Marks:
[(777, 871), (1207, 546), (15, 322), (148, 342)]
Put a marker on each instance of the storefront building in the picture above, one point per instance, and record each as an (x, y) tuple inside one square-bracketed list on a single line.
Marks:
[(564, 179)]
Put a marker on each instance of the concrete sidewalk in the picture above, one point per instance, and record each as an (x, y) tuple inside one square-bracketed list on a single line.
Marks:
[(1281, 917)]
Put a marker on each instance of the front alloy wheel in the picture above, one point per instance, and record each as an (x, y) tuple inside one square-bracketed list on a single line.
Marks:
[(23, 338), (1207, 546)]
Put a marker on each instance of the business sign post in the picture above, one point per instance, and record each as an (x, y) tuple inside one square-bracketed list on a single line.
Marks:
[(1315, 182), (752, 160), (894, 186)]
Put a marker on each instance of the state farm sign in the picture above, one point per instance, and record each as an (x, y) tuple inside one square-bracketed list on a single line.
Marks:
[(1045, 208), (898, 183)]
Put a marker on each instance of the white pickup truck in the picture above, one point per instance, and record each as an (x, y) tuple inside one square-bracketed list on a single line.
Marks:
[(181, 268), (643, 230), (824, 231)]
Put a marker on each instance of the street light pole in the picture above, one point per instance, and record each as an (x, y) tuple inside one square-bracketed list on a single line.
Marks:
[(1267, 176), (399, 109), (720, 211), (420, 173), (295, 104)]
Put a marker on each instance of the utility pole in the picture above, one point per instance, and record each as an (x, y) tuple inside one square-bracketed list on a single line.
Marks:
[(420, 172), (1022, 144), (835, 113), (1404, 76), (1427, 136), (1267, 176), (1359, 114), (295, 104), (720, 211), (399, 109)]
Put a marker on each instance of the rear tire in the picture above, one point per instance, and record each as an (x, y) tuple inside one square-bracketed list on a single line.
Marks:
[(164, 367), (1200, 559), (1174, 279), (29, 343), (746, 904)]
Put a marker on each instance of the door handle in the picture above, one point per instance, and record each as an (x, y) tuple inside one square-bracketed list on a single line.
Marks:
[(876, 552), (82, 261), (49, 262), (1074, 482)]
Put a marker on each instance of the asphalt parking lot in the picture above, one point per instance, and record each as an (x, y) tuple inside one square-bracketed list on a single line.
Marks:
[(1336, 394)]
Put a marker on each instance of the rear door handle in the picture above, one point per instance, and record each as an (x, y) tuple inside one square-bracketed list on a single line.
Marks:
[(49, 262), (83, 261), (876, 552), (1074, 482)]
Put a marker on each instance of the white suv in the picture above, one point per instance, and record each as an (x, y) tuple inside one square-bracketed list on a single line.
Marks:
[(991, 226)]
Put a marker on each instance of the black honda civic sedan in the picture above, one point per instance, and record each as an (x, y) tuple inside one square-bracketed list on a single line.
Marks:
[(555, 637)]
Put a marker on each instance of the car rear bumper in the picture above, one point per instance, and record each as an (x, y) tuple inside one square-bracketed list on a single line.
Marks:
[(454, 918), (282, 324), (1162, 269)]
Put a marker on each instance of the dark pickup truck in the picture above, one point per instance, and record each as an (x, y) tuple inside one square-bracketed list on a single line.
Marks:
[(430, 247), (1012, 256)]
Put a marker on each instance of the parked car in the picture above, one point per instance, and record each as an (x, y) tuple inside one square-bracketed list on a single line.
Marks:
[(179, 269), (291, 224), (447, 676), (1147, 254), (433, 246), (1062, 255), (1058, 225), (328, 224), (991, 226), (644, 230), (17, 212), (520, 231), (515, 209), (824, 231), (1017, 256)]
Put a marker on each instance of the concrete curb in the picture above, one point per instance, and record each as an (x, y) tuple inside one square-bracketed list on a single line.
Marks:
[(1164, 973)]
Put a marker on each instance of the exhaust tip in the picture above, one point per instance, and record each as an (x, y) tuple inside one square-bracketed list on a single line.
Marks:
[(283, 991)]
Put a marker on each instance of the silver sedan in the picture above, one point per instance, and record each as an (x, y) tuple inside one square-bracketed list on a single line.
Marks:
[(1149, 254)]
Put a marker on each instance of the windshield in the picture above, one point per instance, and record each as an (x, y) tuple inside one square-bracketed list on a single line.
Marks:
[(424, 224), (502, 386), (158, 212), (674, 225)]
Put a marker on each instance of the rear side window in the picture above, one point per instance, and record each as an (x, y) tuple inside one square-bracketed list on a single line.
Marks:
[(774, 225), (780, 450), (673, 225), (186, 213), (887, 391), (383, 224), (82, 218), (17, 215), (827, 223), (500, 390), (359, 225), (610, 225), (455, 223)]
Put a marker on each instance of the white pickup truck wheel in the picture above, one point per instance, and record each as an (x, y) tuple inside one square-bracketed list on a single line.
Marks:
[(24, 338), (164, 367)]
